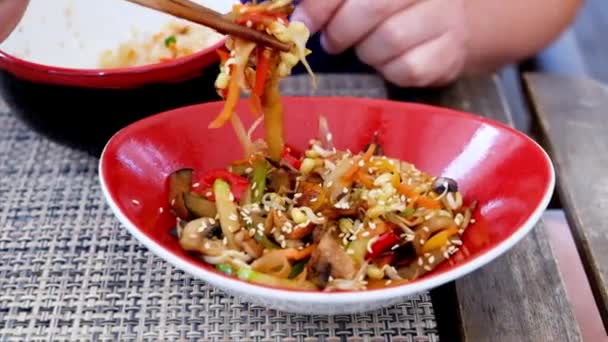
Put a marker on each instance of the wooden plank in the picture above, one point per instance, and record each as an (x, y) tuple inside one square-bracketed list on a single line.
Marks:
[(520, 296), (572, 114)]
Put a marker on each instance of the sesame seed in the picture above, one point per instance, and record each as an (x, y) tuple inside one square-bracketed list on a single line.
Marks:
[(420, 262), (431, 259), (427, 267), (248, 170), (388, 282), (196, 185), (329, 184), (207, 245), (361, 163), (461, 231), (313, 200), (328, 136), (372, 225), (352, 237), (251, 232), (365, 234), (173, 202), (273, 230), (350, 251), (254, 185), (456, 242), (330, 278), (160, 210), (208, 194), (211, 221), (392, 162), (422, 241), (345, 190), (279, 213), (134, 201), (426, 229), (395, 247), (446, 255), (297, 195), (472, 221), (300, 248), (233, 217), (249, 23), (231, 197), (341, 235), (225, 241)]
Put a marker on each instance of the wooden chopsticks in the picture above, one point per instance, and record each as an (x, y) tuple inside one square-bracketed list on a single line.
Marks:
[(194, 12)]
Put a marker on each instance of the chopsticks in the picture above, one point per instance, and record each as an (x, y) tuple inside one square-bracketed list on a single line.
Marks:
[(194, 12)]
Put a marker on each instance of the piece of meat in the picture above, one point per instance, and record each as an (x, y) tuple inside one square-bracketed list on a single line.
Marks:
[(329, 253)]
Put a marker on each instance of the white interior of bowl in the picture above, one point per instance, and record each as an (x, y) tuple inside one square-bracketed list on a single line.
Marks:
[(73, 33)]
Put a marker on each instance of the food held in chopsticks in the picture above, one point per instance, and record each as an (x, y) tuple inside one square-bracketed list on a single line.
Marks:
[(324, 220)]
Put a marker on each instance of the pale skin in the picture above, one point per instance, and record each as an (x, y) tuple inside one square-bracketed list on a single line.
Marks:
[(11, 12), (432, 42)]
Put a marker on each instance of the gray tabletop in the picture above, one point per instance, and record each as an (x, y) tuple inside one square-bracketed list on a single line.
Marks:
[(69, 271)]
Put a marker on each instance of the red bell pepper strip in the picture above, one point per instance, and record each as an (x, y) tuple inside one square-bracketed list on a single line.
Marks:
[(238, 184), (385, 259), (383, 243), (291, 159), (223, 54), (261, 74)]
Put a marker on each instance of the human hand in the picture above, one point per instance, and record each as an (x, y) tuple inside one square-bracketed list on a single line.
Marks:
[(411, 42), (11, 12)]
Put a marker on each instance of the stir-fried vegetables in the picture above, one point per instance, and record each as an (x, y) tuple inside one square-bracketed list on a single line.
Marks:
[(325, 220), (257, 70), (326, 228)]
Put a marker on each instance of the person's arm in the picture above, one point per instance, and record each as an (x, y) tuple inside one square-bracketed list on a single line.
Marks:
[(432, 42), (507, 31), (11, 12)]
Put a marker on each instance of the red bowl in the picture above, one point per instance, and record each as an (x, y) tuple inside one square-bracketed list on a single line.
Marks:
[(49, 74), (507, 172)]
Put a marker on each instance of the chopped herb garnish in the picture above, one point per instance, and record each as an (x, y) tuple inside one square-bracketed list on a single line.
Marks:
[(170, 40)]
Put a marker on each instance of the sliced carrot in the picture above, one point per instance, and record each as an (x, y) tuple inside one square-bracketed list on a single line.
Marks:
[(298, 254), (428, 202), (407, 190), (231, 100), (349, 176), (440, 239), (369, 153), (365, 179)]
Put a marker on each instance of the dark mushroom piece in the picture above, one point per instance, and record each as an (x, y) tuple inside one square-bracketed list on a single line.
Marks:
[(197, 235), (442, 183)]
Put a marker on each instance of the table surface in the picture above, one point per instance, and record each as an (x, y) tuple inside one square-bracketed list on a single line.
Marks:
[(69, 271)]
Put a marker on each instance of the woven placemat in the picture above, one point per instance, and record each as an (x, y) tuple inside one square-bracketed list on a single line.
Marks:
[(69, 271)]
